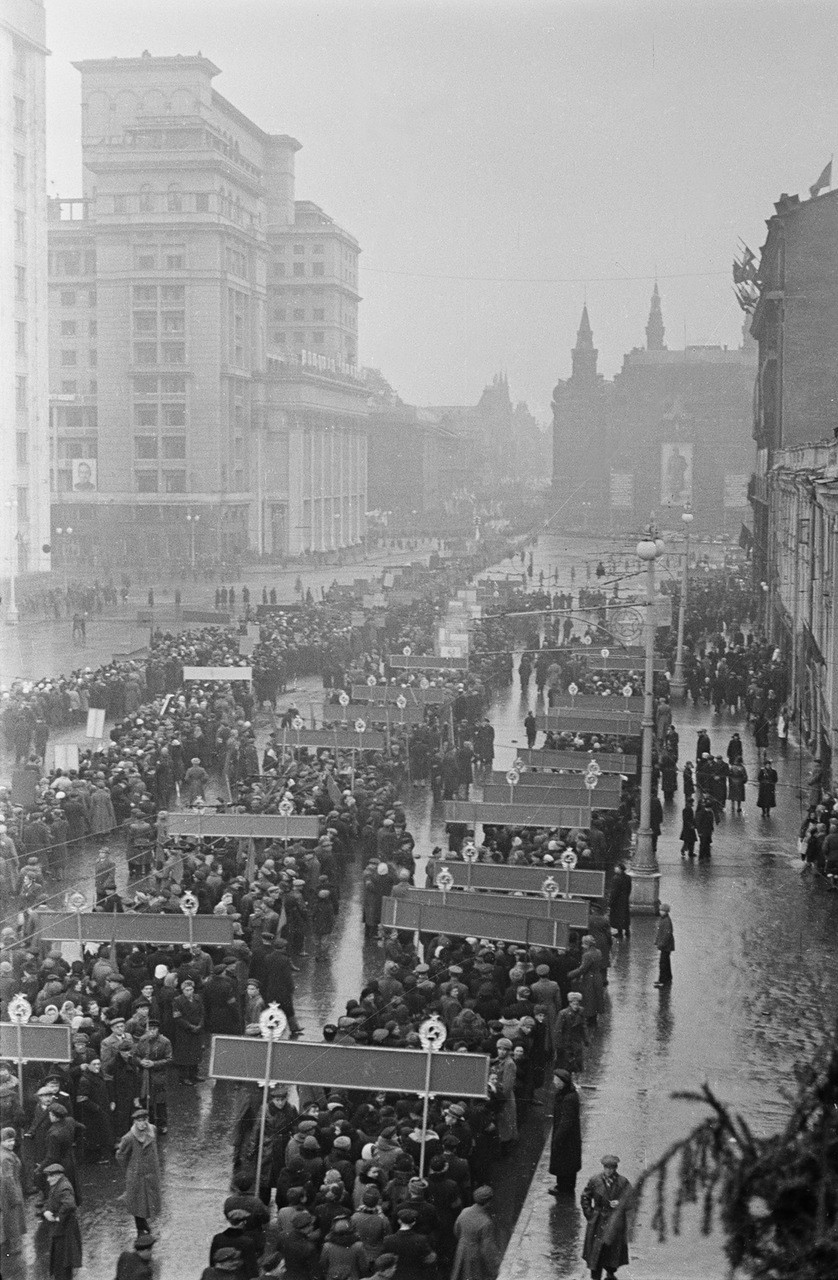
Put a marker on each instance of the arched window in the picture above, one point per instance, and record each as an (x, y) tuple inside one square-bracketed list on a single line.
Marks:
[(174, 199)]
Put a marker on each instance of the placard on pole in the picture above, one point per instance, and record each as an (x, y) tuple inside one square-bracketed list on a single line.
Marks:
[(573, 912), (471, 922), (26, 1041), (502, 878)]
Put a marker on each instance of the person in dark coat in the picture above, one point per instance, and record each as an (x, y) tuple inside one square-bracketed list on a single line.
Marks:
[(188, 1013), (221, 1004), (278, 983), (669, 776), (618, 902), (137, 1263), (322, 922), (767, 793), (605, 1206), (412, 1249), (93, 1106), (665, 943), (566, 1142), (60, 1211), (737, 782), (705, 825), (60, 1144)]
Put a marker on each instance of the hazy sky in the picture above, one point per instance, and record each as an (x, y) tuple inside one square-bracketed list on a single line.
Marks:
[(500, 161)]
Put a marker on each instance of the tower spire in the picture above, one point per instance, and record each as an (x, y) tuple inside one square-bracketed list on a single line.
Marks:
[(654, 325), (584, 354)]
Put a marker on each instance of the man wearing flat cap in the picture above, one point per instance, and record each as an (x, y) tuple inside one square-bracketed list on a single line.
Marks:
[(477, 1255), (65, 1253), (605, 1204)]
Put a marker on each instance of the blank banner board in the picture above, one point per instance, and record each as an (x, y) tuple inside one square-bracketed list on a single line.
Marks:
[(576, 761), (374, 713), (58, 926), (389, 693), (426, 662), (518, 815), (571, 911), (342, 1066), (459, 922), (258, 826), (505, 879), (218, 673), (595, 702), (602, 796), (624, 724), (35, 1042), (335, 739)]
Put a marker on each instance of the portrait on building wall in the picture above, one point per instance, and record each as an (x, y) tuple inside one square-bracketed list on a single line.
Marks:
[(676, 475), (84, 475), (736, 489), (622, 489)]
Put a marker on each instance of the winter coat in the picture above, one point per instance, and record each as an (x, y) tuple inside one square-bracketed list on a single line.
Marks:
[(618, 903), (606, 1236), (65, 1238), (188, 1046), (102, 816), (506, 1074), (588, 979), (477, 1256), (566, 1141), (12, 1203), (141, 1167), (93, 1106)]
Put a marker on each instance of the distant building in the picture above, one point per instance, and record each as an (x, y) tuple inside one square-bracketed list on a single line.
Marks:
[(180, 418), (795, 323), (24, 399), (500, 444), (669, 431)]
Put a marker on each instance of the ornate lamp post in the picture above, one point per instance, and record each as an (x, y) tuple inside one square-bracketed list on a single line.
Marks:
[(679, 687), (12, 614), (192, 521), (645, 872), (64, 536)]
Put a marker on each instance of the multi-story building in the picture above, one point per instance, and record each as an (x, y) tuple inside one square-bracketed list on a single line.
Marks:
[(165, 418), (795, 323), (24, 401), (669, 431)]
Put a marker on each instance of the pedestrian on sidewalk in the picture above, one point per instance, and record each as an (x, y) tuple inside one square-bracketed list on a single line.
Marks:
[(605, 1206), (665, 943), (566, 1141), (137, 1156), (619, 910)]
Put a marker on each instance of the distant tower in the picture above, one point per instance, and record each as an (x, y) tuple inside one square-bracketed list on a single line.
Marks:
[(584, 354), (654, 325)]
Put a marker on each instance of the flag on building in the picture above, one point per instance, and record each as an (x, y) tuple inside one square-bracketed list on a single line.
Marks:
[(825, 180)]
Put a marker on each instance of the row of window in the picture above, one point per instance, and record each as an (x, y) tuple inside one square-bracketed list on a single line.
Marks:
[(70, 357), (150, 447), (299, 313), (149, 482), (150, 415), (20, 115), (72, 262), (151, 257), (299, 249), (316, 338), (173, 384), (299, 269), (72, 297), (70, 328), (167, 294), (166, 322), (69, 387), (160, 353), (175, 200)]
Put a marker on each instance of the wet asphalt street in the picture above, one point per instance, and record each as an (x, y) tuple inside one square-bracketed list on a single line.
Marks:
[(755, 967)]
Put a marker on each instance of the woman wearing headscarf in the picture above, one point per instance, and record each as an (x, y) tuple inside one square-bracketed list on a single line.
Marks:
[(566, 1142)]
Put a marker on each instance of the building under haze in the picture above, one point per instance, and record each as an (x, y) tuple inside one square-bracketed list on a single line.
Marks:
[(671, 430), (24, 404), (203, 334)]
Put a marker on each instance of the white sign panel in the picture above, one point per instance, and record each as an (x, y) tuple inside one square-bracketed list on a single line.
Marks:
[(218, 673)]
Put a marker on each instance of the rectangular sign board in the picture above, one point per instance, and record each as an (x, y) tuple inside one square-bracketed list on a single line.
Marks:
[(95, 723), (502, 878), (340, 739), (218, 673), (578, 796), (578, 761), (594, 702), (389, 693), (571, 911), (625, 725), (426, 662), (622, 662), (399, 913), (146, 926), (258, 826), (38, 1042), (518, 815), (66, 756), (209, 617), (372, 713), (344, 1066)]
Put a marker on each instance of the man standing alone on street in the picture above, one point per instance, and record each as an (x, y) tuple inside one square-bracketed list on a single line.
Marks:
[(665, 943)]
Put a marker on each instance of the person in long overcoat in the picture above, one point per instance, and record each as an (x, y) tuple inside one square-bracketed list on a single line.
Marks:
[(566, 1140), (60, 1211), (221, 1004), (188, 1015), (605, 1206), (689, 834), (322, 921), (12, 1202), (60, 1144), (152, 1054), (767, 793), (477, 1256), (94, 1108), (619, 912), (572, 1034), (505, 1074), (137, 1157), (102, 816), (736, 785), (588, 978)]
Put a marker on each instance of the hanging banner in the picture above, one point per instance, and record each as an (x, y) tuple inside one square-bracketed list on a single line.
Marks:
[(622, 489), (736, 489), (676, 475)]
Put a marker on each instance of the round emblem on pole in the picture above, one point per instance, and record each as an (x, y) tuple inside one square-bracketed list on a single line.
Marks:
[(20, 1010), (189, 904), (568, 860), (343, 698), (627, 691), (424, 683), (445, 880), (573, 690), (371, 681), (591, 778), (513, 777), (605, 653), (586, 639), (432, 1034), (407, 651), (518, 763), (594, 768), (469, 852), (401, 702), (286, 808), (360, 726), (272, 1022), (76, 901), (550, 888), (298, 723)]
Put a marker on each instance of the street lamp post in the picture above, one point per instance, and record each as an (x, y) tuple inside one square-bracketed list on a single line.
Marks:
[(645, 872), (12, 614), (679, 687), (192, 520), (64, 534)]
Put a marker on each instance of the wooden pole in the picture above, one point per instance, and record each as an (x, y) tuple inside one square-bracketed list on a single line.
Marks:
[(263, 1117), (425, 1104)]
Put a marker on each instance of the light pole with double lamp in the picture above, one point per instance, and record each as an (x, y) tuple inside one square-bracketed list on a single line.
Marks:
[(645, 873), (192, 520), (12, 613), (679, 686)]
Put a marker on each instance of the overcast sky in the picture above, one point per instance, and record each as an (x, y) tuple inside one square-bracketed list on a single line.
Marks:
[(501, 161)]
